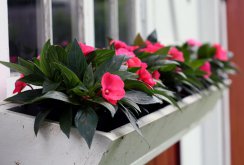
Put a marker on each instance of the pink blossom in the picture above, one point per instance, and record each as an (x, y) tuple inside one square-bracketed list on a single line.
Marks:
[(123, 51), (19, 85), (134, 62), (112, 88), (193, 42), (86, 49), (156, 75), (152, 47), (146, 77), (220, 53), (118, 44), (175, 54), (206, 67)]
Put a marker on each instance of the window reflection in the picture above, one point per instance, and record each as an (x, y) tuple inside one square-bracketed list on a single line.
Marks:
[(100, 13), (61, 10), (22, 29)]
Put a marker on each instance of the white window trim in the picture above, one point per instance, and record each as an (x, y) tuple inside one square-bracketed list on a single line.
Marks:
[(4, 48)]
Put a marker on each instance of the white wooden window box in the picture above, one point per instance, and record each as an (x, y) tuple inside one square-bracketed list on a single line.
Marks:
[(121, 146)]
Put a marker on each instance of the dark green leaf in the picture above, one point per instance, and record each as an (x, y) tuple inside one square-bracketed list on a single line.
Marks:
[(49, 85), (153, 37), (33, 79), (132, 119), (65, 121), (70, 78), (76, 60), (25, 97), (111, 65), (40, 118), (86, 122), (17, 67), (139, 40), (141, 98), (107, 105), (138, 85), (88, 78), (56, 96)]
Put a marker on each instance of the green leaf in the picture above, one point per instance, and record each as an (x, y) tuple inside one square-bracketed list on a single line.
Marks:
[(65, 121), (86, 122), (40, 118), (49, 85), (102, 55), (25, 97), (163, 51), (44, 63), (141, 98), (76, 60), (79, 90), (33, 79), (131, 104), (17, 67), (124, 75), (139, 40), (70, 78), (111, 65), (56, 96), (26, 64), (137, 85), (132, 119), (107, 105), (197, 63), (88, 78), (153, 37)]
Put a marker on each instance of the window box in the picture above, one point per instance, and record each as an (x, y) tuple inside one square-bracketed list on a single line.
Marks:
[(161, 129)]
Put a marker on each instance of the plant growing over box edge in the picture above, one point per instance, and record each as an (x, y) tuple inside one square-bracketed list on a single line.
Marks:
[(83, 79)]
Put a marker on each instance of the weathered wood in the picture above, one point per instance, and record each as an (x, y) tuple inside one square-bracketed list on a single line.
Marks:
[(121, 146)]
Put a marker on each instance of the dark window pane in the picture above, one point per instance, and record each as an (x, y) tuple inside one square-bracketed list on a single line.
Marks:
[(22, 29), (62, 33), (100, 12)]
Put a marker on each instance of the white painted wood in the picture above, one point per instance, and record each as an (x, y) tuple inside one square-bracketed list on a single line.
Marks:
[(4, 48), (214, 136), (82, 12), (121, 146), (164, 22), (44, 22), (89, 22)]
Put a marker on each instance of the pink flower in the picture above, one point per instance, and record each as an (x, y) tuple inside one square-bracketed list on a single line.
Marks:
[(112, 88), (134, 62), (176, 54), (192, 42), (118, 44), (132, 48), (206, 67), (86, 49), (146, 77), (38, 57), (144, 65), (123, 51), (19, 86), (152, 47), (220, 53), (156, 75)]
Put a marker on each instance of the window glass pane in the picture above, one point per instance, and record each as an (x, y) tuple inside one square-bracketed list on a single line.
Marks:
[(123, 21), (22, 29), (62, 33), (100, 13)]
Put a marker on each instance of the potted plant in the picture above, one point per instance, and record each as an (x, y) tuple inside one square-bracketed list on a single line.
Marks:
[(84, 89)]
